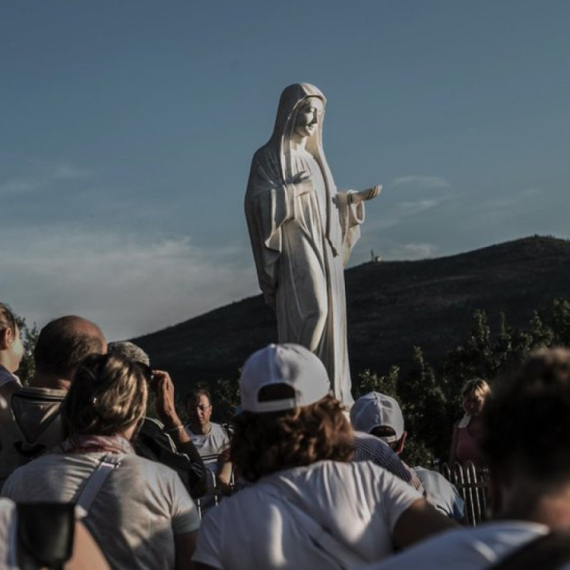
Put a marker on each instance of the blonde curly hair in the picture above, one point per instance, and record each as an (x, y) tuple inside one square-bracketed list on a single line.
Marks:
[(476, 386)]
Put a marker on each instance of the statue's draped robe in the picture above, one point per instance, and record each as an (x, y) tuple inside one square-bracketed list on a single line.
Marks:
[(302, 242)]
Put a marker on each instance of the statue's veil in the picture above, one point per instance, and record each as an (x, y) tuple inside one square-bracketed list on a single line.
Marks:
[(292, 98)]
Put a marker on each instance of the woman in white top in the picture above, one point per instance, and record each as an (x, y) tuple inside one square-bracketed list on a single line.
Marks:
[(141, 516), (467, 431)]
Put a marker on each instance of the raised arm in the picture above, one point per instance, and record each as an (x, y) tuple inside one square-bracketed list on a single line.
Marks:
[(173, 426), (419, 521)]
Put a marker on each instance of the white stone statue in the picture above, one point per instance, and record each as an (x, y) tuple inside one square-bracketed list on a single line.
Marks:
[(302, 231)]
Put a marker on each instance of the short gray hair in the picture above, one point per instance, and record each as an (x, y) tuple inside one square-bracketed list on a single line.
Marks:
[(130, 351)]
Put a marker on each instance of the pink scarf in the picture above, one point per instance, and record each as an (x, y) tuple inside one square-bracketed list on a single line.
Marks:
[(80, 443)]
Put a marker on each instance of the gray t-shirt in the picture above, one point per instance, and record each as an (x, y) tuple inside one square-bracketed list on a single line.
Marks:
[(138, 511), (441, 493), (210, 446)]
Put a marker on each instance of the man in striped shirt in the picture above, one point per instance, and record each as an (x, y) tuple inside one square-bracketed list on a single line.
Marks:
[(370, 448)]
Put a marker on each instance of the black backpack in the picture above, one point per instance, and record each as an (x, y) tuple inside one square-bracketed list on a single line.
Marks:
[(45, 533)]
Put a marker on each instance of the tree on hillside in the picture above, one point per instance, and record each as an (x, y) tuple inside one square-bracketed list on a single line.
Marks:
[(556, 317), (29, 336), (368, 381), (430, 395), (423, 405), (225, 394)]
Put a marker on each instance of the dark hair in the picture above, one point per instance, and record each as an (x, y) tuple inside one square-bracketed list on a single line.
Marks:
[(7, 319), (268, 442), (107, 396), (526, 418), (64, 343), (195, 394)]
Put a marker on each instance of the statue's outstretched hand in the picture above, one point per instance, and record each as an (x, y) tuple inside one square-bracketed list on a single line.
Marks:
[(303, 184), (368, 194)]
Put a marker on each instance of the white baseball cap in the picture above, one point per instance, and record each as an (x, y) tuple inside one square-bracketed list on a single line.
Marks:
[(289, 364), (374, 410)]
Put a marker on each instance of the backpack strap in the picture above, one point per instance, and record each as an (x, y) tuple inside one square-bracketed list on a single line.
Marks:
[(340, 554), (547, 552), (91, 489)]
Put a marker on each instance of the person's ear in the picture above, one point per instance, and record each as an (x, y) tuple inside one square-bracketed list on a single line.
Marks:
[(401, 443), (6, 338)]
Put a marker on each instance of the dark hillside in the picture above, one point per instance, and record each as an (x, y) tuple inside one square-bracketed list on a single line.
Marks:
[(392, 306)]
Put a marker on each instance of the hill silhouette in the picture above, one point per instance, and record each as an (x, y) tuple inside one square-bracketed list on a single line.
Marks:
[(391, 306)]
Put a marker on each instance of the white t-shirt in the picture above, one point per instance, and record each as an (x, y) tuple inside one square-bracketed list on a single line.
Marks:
[(466, 549), (211, 443), (139, 509), (209, 446), (358, 503)]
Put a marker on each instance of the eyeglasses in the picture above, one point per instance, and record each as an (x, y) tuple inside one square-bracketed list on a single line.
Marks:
[(203, 407)]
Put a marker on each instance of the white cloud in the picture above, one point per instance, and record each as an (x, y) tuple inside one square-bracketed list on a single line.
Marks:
[(421, 181), (400, 211), (412, 208), (66, 171), (410, 251), (18, 186), (507, 207), (128, 284), (381, 224), (42, 175)]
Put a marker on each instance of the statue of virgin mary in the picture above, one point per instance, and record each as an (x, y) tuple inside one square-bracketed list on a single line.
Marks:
[(302, 231)]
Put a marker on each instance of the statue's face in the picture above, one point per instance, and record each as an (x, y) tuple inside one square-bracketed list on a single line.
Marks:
[(308, 117)]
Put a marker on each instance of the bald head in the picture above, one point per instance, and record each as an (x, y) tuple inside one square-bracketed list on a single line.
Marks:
[(63, 343)]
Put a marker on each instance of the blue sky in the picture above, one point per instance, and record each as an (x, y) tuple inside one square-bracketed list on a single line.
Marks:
[(128, 130)]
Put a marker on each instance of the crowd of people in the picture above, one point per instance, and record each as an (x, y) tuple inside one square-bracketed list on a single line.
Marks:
[(89, 478)]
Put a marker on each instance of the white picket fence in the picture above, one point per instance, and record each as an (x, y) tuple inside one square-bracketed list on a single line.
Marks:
[(471, 483)]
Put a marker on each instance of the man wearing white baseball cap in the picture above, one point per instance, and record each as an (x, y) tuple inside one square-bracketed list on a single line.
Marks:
[(376, 410), (310, 506), (380, 415)]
